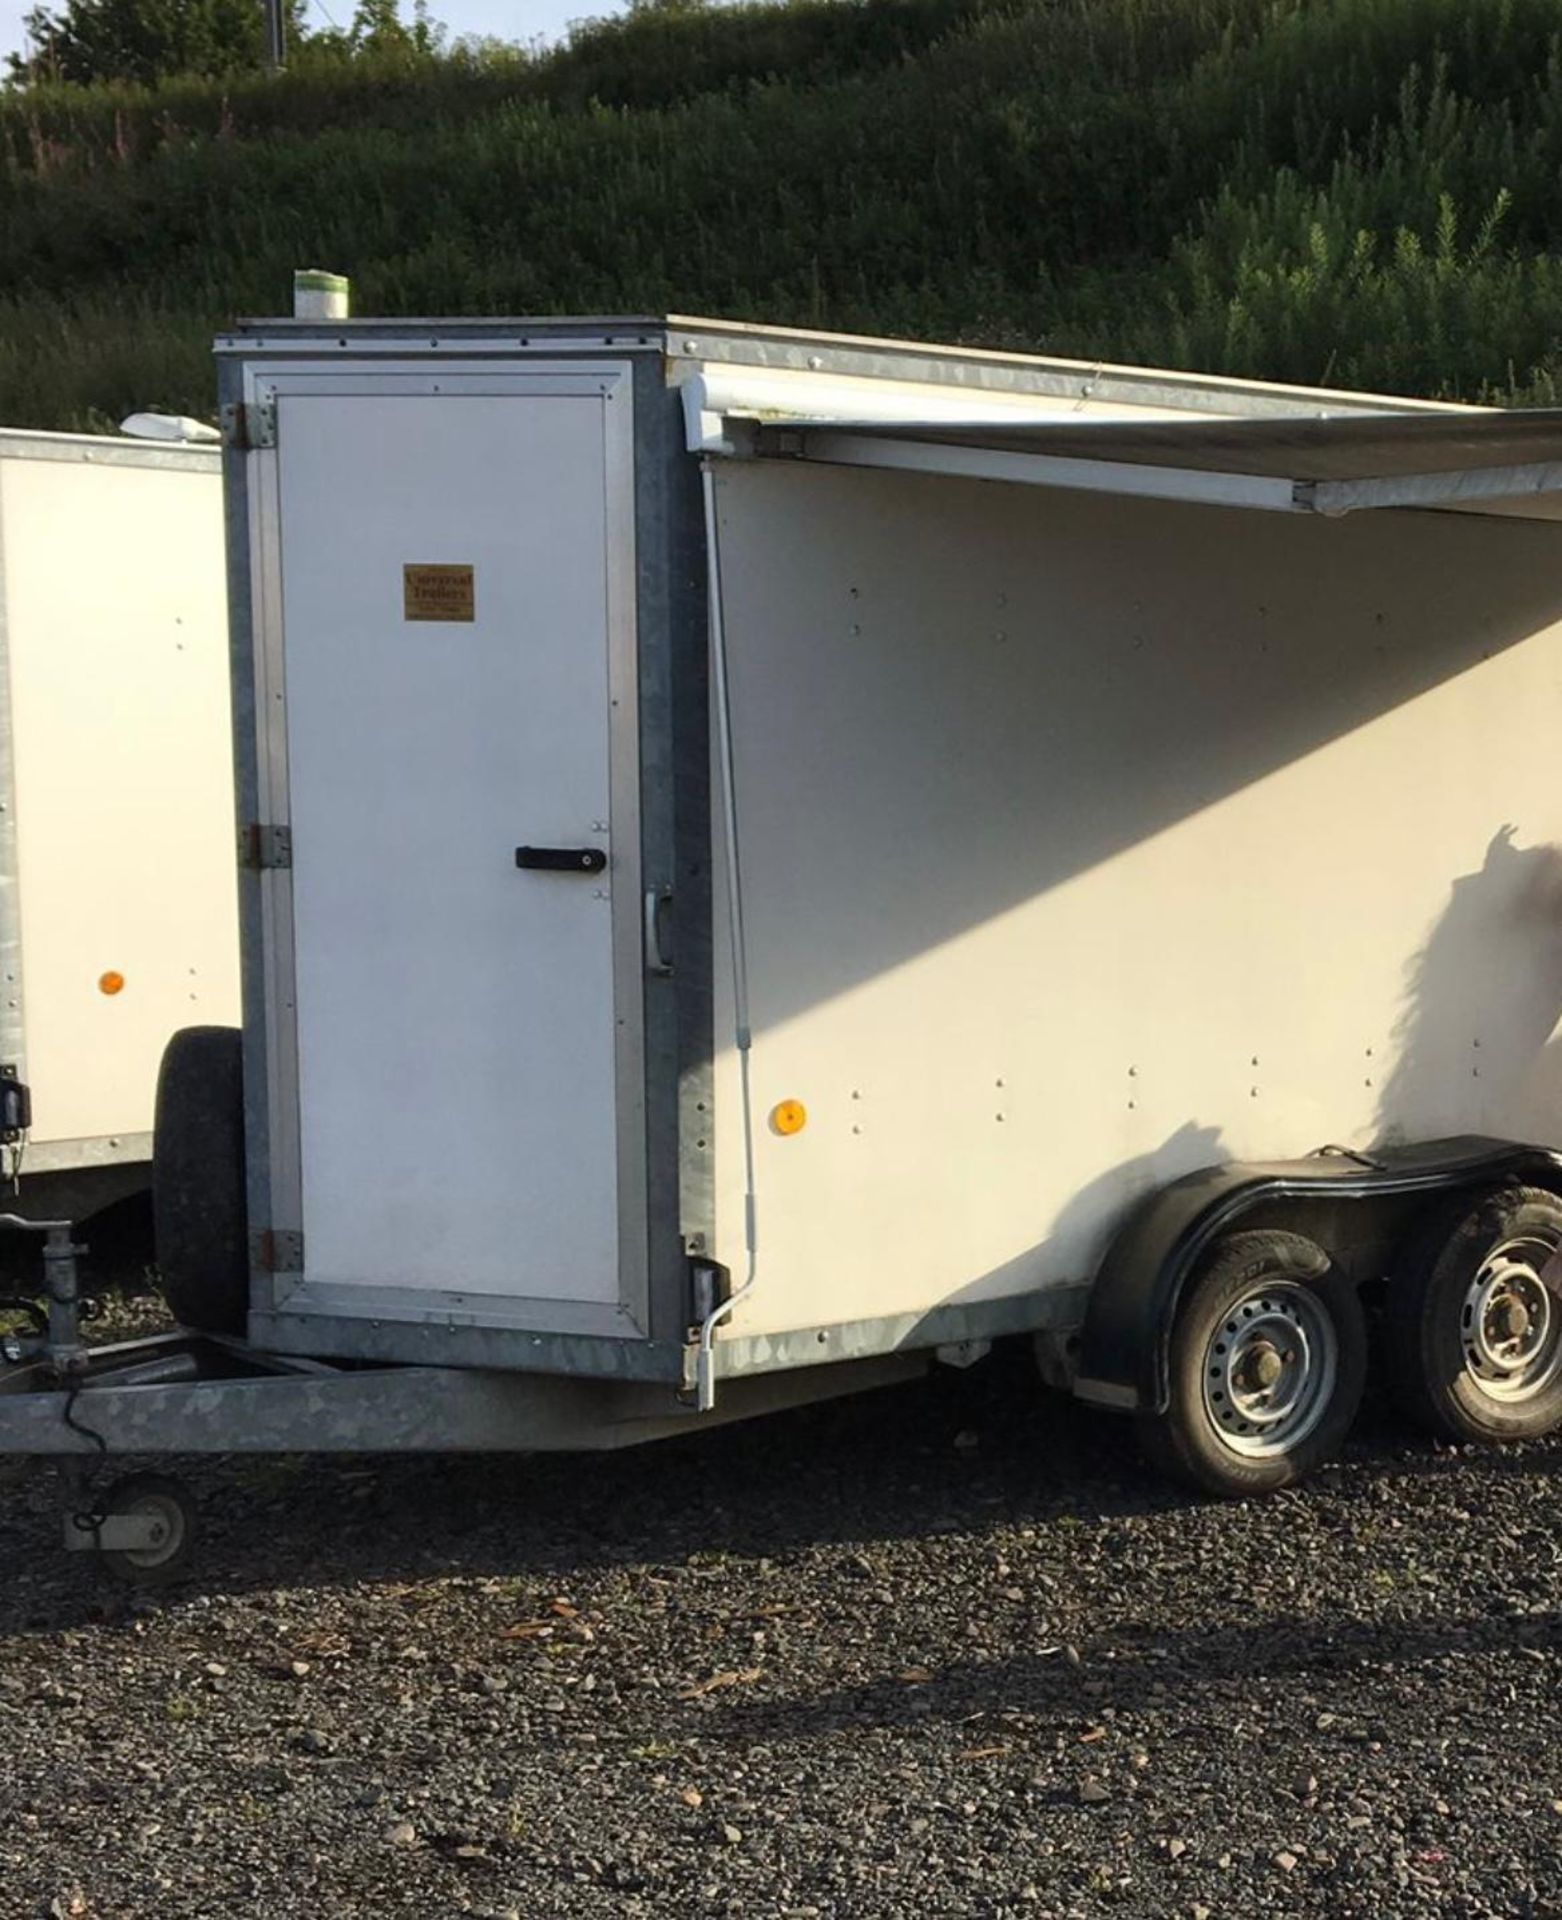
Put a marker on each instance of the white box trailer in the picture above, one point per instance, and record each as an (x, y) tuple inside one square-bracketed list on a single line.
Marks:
[(118, 902), (774, 857)]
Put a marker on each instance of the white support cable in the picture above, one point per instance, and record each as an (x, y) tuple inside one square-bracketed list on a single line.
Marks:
[(705, 1364)]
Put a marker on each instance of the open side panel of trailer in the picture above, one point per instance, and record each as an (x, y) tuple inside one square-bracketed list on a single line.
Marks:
[(1086, 841)]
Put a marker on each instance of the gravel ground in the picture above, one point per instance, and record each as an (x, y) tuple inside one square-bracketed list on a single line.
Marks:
[(945, 1650)]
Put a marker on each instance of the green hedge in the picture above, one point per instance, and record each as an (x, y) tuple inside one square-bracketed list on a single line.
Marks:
[(1349, 191)]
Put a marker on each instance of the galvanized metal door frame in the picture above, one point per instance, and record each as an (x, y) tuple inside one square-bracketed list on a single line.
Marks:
[(285, 1307), (13, 1025)]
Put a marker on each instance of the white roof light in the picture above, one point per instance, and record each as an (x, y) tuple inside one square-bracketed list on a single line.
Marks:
[(168, 426)]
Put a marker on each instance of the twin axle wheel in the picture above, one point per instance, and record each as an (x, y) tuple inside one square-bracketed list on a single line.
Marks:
[(1475, 1324), (1268, 1364), (1268, 1358)]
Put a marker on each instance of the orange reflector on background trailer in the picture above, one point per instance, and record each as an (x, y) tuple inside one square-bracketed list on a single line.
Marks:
[(789, 1116), (111, 982)]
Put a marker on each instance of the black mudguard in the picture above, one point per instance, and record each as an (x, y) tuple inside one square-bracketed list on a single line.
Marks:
[(1124, 1343)]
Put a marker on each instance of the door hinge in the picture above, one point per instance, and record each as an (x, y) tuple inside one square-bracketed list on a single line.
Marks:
[(278, 1251), (249, 424), (262, 847)]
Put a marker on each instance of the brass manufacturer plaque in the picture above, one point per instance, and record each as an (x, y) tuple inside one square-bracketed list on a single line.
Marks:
[(438, 593)]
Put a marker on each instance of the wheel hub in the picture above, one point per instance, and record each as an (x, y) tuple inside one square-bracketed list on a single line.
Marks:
[(1513, 1320), (1509, 1327), (1263, 1366), (1269, 1369)]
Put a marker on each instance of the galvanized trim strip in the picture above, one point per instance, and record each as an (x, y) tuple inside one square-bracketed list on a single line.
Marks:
[(1051, 1309), (432, 338), (435, 1341), (1455, 487), (13, 1029), (989, 370), (248, 607), (97, 450), (101, 1150)]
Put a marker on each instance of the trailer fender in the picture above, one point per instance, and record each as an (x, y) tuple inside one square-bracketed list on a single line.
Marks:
[(1122, 1359)]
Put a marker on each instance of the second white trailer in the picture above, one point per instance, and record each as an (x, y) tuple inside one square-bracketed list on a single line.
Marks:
[(118, 899)]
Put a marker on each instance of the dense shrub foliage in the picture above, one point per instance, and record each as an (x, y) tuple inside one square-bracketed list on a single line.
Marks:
[(1350, 191)]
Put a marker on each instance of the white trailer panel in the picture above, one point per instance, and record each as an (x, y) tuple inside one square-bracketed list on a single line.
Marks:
[(1085, 842), (122, 859)]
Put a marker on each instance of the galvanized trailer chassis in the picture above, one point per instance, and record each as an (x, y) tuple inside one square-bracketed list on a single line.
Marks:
[(192, 1393)]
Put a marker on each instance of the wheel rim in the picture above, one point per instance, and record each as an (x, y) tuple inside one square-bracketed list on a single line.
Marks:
[(1509, 1325), (1269, 1370), (167, 1517)]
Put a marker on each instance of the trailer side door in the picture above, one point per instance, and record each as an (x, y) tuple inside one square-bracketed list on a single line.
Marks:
[(453, 650)]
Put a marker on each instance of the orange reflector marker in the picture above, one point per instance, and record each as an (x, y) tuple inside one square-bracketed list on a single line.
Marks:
[(790, 1116), (111, 982)]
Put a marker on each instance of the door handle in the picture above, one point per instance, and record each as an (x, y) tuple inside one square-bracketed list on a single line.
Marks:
[(561, 859), (658, 954)]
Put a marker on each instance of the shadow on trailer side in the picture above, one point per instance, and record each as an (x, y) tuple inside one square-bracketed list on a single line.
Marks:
[(1483, 998)]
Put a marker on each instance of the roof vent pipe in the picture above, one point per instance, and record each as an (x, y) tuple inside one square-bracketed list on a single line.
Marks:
[(318, 295)]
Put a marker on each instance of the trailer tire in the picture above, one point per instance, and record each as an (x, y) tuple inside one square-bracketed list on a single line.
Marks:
[(199, 1217), (1268, 1363), (1468, 1303)]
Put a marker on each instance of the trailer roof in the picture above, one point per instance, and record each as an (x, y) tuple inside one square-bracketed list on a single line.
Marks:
[(108, 450), (725, 349), (757, 391)]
